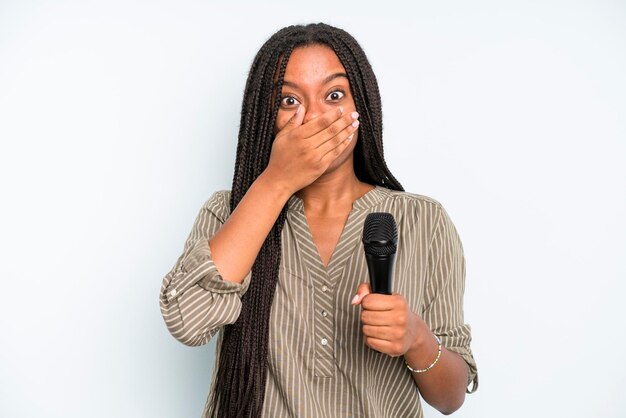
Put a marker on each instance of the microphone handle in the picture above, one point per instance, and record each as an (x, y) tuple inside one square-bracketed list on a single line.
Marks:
[(381, 272)]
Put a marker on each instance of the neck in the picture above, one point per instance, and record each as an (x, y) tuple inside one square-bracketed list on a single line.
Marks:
[(334, 192)]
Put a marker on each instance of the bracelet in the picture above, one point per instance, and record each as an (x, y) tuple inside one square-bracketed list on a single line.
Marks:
[(432, 364)]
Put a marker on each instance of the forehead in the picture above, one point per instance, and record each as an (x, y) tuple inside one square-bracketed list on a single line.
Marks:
[(312, 63)]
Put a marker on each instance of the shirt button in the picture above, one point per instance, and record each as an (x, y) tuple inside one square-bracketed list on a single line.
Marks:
[(173, 293), (324, 313), (324, 341), (324, 288)]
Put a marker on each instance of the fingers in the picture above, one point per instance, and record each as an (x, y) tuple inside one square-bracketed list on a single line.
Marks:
[(346, 125), (295, 120), (390, 348), (324, 122), (333, 146), (388, 324), (363, 290), (379, 302), (327, 126), (381, 318), (328, 134), (304, 158), (387, 333)]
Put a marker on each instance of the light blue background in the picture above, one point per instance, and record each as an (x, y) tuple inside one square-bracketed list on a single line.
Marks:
[(118, 119)]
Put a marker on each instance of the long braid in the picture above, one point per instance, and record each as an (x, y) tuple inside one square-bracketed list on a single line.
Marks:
[(239, 386), (367, 95)]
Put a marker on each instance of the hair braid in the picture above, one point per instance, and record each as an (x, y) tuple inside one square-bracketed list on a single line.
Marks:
[(239, 386)]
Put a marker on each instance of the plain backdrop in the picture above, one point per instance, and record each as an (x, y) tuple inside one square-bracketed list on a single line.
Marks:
[(118, 119)]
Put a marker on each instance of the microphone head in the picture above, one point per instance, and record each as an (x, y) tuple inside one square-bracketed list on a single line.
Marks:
[(380, 234)]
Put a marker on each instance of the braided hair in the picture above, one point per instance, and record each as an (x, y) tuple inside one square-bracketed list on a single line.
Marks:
[(239, 385)]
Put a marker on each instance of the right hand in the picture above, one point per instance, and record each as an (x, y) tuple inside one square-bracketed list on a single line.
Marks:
[(302, 152)]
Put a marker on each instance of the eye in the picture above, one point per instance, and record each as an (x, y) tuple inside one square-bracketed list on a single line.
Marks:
[(335, 95), (289, 101)]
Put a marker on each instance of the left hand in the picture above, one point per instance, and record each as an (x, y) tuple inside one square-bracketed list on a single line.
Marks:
[(389, 325)]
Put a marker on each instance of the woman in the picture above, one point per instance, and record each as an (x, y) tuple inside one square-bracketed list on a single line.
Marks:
[(277, 265)]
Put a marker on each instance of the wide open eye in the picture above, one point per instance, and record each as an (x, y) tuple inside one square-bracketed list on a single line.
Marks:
[(335, 95), (289, 101)]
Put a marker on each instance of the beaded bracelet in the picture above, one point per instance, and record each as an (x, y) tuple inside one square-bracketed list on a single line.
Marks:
[(432, 364)]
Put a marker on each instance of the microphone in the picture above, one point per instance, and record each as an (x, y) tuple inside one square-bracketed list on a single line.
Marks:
[(380, 239)]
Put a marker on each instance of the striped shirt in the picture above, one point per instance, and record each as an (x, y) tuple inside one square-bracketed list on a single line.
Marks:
[(319, 365)]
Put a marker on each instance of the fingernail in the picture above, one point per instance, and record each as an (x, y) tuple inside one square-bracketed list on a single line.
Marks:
[(355, 299), (355, 115), (341, 110), (350, 137), (298, 109), (355, 124)]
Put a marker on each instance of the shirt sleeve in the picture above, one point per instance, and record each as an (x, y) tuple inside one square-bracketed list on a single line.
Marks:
[(444, 295), (194, 300)]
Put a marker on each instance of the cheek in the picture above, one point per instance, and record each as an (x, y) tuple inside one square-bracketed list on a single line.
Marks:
[(281, 120)]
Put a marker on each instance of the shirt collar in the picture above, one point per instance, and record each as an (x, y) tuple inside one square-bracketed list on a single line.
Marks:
[(366, 201)]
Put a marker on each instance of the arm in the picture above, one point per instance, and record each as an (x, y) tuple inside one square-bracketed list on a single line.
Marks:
[(389, 325), (443, 386), (202, 292), (300, 154), (253, 219), (194, 300)]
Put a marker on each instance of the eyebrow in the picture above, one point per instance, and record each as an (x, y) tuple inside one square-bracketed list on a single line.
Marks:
[(325, 81)]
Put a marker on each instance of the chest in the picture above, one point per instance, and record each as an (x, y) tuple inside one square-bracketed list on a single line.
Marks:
[(313, 325), (325, 233)]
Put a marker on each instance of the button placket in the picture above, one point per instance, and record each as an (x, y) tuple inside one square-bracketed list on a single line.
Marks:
[(324, 326)]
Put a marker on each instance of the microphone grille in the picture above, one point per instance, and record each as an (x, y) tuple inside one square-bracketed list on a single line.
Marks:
[(380, 234)]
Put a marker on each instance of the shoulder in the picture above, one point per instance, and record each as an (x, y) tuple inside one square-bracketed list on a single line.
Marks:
[(416, 213), (409, 199), (406, 202), (218, 205)]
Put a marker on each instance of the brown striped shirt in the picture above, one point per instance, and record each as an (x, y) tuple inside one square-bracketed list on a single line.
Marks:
[(319, 365)]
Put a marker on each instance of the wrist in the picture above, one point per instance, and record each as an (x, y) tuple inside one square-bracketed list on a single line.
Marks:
[(431, 365), (273, 187), (424, 345)]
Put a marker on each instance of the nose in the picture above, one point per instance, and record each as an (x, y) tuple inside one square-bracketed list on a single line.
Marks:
[(313, 110)]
